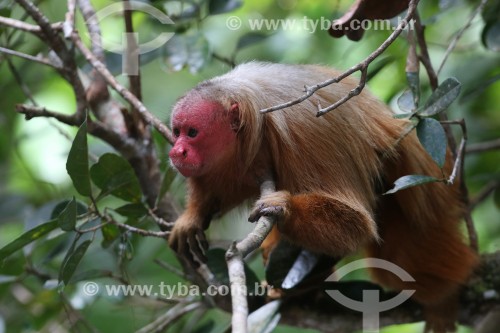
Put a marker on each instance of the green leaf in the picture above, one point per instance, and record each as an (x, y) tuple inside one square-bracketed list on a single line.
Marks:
[(72, 261), (134, 210), (433, 138), (410, 181), (187, 50), (491, 36), (67, 218), (414, 83), (27, 237), (110, 233), (114, 175), (264, 319), (441, 98), (250, 39), (92, 274), (78, 162), (223, 6), (80, 208), (406, 103), (478, 88)]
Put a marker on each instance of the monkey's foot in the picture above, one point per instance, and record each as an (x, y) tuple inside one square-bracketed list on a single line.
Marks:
[(277, 204)]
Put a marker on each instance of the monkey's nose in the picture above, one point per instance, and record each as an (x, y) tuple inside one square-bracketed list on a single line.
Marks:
[(178, 152)]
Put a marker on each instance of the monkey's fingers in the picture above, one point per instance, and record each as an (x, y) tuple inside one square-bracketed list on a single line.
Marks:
[(202, 239), (262, 210), (197, 247), (184, 250)]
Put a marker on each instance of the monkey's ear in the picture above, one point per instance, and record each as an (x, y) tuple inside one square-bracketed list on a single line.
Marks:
[(234, 116)]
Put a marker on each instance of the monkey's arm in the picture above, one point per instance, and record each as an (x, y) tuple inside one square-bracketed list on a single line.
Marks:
[(188, 237), (320, 223)]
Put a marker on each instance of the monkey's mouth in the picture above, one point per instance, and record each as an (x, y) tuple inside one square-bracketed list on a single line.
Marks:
[(186, 169)]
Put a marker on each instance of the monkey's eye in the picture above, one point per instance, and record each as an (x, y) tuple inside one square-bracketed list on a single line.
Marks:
[(192, 132), (177, 132)]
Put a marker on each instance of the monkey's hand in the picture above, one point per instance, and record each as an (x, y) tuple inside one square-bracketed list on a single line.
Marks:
[(188, 240), (277, 204)]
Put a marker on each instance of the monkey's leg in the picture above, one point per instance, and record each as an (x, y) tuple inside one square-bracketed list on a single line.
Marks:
[(320, 223)]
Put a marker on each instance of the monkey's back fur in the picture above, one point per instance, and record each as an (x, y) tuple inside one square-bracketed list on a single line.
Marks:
[(352, 155)]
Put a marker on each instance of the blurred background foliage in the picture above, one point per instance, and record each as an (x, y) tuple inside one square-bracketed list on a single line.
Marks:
[(33, 178)]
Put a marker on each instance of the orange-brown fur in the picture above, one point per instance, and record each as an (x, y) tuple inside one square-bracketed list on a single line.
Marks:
[(327, 172)]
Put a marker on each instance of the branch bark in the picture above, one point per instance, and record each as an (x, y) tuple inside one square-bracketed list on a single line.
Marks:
[(234, 258)]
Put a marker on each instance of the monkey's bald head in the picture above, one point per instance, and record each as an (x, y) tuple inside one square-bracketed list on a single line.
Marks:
[(204, 131)]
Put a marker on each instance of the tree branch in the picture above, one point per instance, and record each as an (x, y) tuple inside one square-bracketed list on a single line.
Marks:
[(234, 259), (31, 112), (484, 193), (460, 33), (69, 71), (92, 24), (25, 56), (125, 93), (482, 147), (20, 25), (424, 52), (69, 22), (458, 169), (362, 66)]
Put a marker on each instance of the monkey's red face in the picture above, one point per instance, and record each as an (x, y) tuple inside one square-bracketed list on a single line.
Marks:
[(203, 133)]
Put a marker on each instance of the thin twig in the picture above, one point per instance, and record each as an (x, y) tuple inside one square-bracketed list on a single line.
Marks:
[(458, 162), (92, 24), (460, 33), (92, 229), (484, 193), (69, 71), (26, 90), (354, 92), (127, 146), (20, 25), (363, 65), (482, 147), (424, 52), (174, 313), (161, 222), (56, 43), (125, 93), (142, 232), (69, 22), (131, 67), (230, 62), (459, 167), (132, 51), (170, 268), (29, 57), (30, 112)]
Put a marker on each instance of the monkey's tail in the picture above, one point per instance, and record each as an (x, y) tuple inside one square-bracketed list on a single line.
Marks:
[(420, 232)]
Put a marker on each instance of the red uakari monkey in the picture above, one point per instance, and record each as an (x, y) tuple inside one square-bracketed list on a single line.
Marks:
[(328, 172)]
